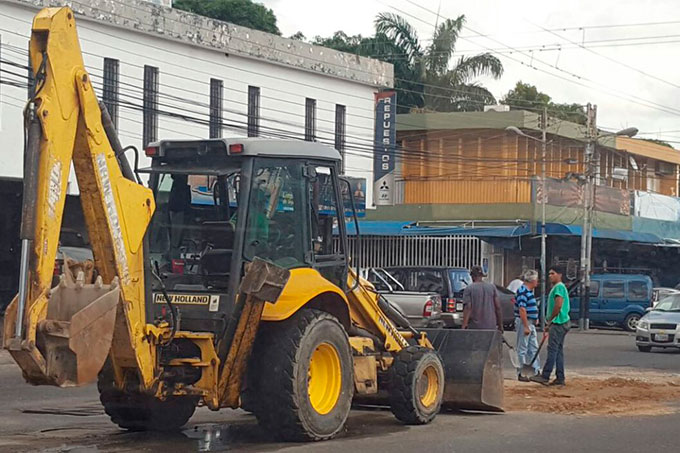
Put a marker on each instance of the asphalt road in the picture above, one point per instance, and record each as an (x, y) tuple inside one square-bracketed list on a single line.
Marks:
[(71, 420)]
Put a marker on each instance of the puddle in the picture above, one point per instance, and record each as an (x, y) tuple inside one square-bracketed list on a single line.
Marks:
[(219, 437), (224, 437), (240, 433)]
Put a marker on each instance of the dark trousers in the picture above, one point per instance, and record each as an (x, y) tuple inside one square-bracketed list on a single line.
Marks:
[(555, 358)]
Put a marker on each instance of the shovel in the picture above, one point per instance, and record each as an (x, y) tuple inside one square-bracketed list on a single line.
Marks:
[(512, 353), (528, 369)]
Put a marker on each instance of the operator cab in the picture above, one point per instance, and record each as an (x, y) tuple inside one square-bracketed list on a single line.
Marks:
[(222, 202)]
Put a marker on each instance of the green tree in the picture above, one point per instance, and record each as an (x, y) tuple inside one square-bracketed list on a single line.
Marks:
[(527, 97), (298, 36), (240, 12), (382, 47), (431, 77)]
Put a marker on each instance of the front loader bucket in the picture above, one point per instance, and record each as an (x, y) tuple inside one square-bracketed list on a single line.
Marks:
[(75, 338), (472, 368)]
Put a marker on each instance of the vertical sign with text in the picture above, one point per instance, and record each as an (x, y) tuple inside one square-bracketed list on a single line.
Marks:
[(385, 144)]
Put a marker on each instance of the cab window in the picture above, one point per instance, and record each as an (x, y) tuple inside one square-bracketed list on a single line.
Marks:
[(275, 228), (323, 200)]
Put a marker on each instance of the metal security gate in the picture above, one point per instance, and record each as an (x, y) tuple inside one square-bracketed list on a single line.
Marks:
[(386, 251)]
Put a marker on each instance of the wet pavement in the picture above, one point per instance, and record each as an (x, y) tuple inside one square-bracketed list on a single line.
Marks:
[(49, 419)]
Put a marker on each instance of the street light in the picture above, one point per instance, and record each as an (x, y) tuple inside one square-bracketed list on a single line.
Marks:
[(629, 132), (544, 145)]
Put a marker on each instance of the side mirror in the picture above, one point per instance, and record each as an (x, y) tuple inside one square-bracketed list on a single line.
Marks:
[(648, 309), (309, 172)]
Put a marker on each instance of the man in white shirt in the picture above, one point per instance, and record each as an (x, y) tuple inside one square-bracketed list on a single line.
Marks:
[(515, 284)]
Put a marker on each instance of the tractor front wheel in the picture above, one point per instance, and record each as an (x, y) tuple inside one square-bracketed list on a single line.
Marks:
[(416, 385)]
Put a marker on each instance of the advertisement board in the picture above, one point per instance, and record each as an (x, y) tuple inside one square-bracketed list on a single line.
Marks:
[(384, 149)]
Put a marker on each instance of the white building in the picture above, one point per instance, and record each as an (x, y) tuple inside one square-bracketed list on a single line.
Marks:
[(150, 55)]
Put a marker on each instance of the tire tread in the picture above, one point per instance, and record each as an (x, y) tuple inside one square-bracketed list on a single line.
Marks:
[(401, 380), (279, 347)]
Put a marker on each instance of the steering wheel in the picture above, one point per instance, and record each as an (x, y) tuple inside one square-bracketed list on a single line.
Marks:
[(190, 248)]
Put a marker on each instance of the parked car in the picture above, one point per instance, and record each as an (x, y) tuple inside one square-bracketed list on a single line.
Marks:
[(421, 308), (615, 299), (660, 326), (662, 293), (449, 283)]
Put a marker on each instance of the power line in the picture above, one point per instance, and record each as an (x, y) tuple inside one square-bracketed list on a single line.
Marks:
[(634, 24), (661, 107), (367, 139), (644, 102), (446, 89), (354, 150), (662, 39), (620, 63), (184, 78), (464, 173)]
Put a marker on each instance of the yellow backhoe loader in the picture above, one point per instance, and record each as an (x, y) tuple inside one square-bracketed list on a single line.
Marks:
[(219, 285)]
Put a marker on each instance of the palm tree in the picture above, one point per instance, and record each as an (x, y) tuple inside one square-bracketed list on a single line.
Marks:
[(425, 77)]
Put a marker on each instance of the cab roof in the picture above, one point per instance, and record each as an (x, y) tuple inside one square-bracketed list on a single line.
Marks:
[(262, 147)]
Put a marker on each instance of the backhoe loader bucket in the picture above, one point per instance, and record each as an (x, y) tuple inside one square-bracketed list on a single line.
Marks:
[(76, 335), (472, 368)]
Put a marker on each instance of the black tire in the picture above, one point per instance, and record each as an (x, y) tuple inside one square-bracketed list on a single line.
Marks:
[(282, 361), (644, 348), (139, 412), (630, 323), (405, 378)]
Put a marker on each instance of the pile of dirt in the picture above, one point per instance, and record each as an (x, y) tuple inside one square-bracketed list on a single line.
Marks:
[(596, 396)]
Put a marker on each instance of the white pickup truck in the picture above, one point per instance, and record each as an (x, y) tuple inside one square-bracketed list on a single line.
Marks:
[(422, 309)]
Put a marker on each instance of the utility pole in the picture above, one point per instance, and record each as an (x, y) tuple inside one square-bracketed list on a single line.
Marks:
[(588, 205), (544, 196)]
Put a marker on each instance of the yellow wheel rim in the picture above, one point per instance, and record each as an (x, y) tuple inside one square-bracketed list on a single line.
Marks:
[(325, 378), (428, 387)]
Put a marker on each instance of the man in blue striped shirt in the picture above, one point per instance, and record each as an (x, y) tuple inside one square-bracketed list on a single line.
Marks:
[(526, 318)]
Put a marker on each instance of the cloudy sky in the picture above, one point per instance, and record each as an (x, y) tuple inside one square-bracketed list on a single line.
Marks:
[(630, 68)]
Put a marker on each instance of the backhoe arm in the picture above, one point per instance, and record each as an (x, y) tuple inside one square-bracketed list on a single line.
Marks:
[(64, 126)]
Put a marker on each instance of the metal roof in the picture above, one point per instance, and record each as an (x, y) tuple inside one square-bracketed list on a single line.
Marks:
[(529, 121)]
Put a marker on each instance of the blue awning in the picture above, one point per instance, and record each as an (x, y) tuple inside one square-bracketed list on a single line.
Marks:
[(378, 228), (394, 228), (558, 229), (400, 228)]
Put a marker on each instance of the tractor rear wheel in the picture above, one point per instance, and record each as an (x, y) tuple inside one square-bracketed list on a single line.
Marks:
[(305, 376), (416, 385), (139, 412)]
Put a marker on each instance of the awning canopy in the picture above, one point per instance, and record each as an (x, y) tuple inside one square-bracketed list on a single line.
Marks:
[(394, 228), (398, 228), (558, 229)]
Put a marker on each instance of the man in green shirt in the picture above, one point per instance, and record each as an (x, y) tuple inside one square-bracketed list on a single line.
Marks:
[(558, 323)]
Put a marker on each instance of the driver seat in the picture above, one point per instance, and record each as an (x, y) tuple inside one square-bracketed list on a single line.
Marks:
[(216, 259)]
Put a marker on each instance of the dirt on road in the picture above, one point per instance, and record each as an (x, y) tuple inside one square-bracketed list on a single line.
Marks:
[(621, 395)]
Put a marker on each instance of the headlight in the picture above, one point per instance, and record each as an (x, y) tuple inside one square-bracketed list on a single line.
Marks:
[(643, 324)]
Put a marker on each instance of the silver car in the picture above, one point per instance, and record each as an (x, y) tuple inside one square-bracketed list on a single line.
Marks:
[(660, 327), (421, 309), (661, 293)]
